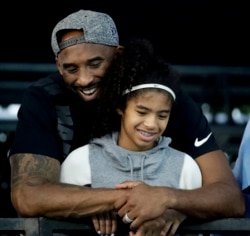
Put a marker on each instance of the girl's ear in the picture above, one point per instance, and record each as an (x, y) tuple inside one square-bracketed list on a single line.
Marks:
[(119, 111)]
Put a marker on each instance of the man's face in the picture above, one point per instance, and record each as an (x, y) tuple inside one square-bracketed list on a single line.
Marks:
[(83, 66)]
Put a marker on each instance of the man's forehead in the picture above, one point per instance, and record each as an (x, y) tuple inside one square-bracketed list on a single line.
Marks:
[(71, 34)]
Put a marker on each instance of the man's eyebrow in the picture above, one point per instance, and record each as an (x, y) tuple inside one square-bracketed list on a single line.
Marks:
[(67, 65), (98, 58), (89, 61)]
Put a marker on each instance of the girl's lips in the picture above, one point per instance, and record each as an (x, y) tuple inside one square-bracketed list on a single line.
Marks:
[(148, 136)]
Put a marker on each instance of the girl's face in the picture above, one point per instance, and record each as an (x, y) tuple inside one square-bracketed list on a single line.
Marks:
[(144, 120)]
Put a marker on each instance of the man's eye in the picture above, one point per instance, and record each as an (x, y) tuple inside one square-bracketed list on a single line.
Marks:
[(72, 70), (95, 65)]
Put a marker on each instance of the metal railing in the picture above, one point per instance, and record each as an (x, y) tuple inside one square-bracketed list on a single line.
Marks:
[(46, 227), (184, 69)]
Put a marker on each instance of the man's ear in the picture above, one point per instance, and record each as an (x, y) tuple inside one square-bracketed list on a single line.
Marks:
[(58, 65), (119, 50)]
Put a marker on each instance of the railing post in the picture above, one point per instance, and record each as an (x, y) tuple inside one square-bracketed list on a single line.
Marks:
[(49, 226), (222, 226), (28, 226)]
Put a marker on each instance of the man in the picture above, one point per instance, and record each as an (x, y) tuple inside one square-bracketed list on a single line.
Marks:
[(241, 168), (56, 117)]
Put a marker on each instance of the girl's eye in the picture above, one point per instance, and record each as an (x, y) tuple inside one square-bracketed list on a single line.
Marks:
[(141, 112), (163, 117)]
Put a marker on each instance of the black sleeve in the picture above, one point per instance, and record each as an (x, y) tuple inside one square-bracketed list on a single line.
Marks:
[(36, 129)]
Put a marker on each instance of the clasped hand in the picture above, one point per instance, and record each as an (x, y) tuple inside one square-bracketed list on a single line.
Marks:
[(148, 218)]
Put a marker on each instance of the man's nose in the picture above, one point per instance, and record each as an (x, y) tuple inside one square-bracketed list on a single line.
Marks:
[(84, 78)]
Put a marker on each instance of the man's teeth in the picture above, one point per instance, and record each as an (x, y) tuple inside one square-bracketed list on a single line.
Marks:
[(88, 91)]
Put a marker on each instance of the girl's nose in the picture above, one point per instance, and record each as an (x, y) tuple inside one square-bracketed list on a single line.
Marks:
[(150, 121)]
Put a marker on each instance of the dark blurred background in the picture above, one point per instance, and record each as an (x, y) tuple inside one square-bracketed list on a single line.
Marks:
[(185, 32), (209, 42)]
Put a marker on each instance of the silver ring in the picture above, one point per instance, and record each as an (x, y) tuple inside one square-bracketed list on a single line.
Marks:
[(126, 219)]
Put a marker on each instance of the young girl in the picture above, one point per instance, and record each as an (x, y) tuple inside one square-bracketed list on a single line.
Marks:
[(143, 100)]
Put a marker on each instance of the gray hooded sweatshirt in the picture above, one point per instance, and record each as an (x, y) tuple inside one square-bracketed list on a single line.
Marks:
[(103, 163)]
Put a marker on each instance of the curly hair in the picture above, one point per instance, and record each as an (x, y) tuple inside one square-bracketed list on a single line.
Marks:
[(138, 64)]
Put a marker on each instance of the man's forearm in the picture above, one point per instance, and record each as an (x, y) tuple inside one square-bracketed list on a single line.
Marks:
[(63, 200), (211, 201)]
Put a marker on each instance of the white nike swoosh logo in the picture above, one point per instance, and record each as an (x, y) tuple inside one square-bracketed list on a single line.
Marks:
[(198, 143)]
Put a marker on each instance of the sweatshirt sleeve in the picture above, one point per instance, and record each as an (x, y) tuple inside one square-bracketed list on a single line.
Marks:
[(191, 177), (76, 169)]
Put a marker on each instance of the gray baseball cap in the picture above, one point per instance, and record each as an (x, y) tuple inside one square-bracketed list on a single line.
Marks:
[(97, 27)]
